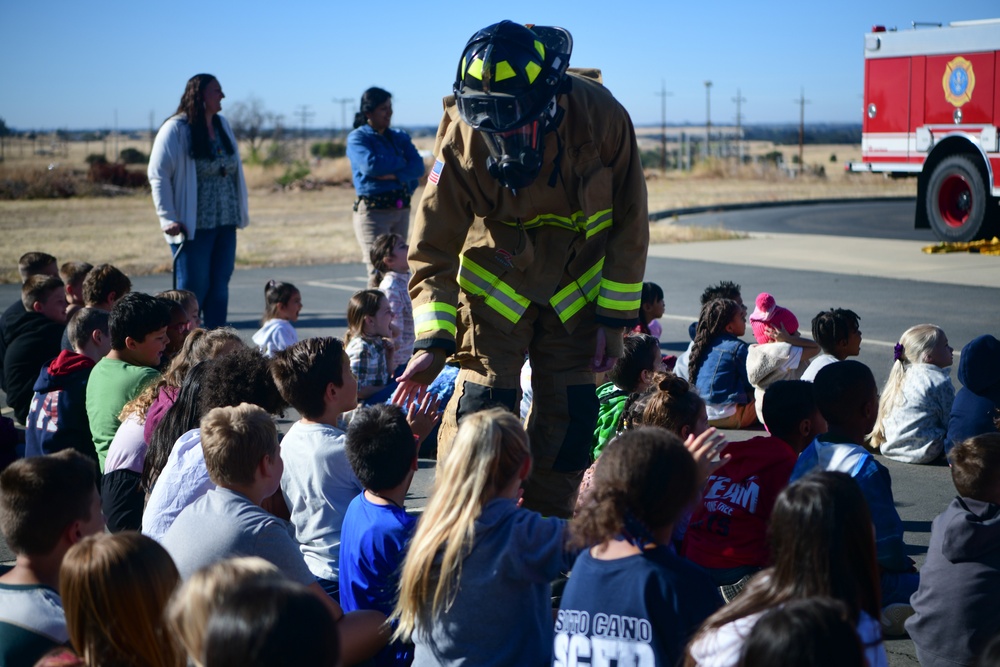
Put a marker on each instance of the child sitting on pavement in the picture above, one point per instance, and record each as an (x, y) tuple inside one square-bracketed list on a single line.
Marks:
[(376, 530), (58, 419), (956, 607), (727, 534), (388, 256), (912, 424), (724, 290), (718, 365), (243, 459), (314, 376), (976, 409), (630, 573), (138, 327), (633, 373), (72, 275), (33, 339), (47, 504), (369, 345), (847, 397), (242, 376), (282, 305), (838, 333), (780, 352)]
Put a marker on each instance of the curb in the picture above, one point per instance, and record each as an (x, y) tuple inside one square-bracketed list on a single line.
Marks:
[(721, 208)]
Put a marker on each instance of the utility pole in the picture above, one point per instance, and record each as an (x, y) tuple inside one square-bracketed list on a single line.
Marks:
[(152, 132), (115, 156), (708, 117), (802, 102), (663, 94), (304, 114), (739, 99), (343, 102)]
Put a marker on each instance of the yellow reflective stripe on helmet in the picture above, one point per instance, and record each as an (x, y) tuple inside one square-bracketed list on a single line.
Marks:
[(476, 69), (503, 71), (435, 316), (497, 294), (540, 48), (619, 296), (568, 301), (532, 69)]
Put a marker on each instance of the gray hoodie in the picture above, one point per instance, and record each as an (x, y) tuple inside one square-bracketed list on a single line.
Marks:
[(958, 603)]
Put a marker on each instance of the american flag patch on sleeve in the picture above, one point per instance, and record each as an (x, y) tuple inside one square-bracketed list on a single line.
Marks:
[(435, 174)]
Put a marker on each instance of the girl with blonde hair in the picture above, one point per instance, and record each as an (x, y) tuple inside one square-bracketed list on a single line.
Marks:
[(912, 424), (475, 582), (114, 590)]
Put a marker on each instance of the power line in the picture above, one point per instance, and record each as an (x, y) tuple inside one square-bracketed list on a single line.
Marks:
[(739, 99), (663, 95), (802, 102), (304, 114), (343, 102)]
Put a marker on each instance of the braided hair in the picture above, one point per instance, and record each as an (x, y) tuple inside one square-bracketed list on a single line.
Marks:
[(715, 316)]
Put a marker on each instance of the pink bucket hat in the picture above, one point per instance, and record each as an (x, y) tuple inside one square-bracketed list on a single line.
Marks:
[(768, 313)]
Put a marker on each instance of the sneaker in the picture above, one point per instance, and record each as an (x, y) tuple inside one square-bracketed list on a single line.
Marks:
[(893, 618)]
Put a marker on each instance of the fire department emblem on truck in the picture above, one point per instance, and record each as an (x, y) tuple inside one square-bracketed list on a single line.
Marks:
[(959, 81)]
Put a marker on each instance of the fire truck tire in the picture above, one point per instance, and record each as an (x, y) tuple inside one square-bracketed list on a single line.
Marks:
[(956, 200)]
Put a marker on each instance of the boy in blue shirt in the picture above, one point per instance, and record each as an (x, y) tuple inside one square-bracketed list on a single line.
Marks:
[(382, 451), (847, 397)]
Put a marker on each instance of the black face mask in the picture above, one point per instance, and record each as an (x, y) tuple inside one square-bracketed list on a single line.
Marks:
[(516, 156)]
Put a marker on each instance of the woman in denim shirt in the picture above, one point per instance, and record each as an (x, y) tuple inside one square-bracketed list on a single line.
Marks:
[(718, 366), (386, 168)]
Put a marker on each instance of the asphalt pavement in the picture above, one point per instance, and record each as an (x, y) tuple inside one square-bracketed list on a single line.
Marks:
[(800, 254)]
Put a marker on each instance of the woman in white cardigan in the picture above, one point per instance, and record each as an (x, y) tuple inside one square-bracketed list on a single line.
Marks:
[(200, 195)]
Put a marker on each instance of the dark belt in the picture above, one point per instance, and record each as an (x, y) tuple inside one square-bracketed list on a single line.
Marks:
[(384, 200)]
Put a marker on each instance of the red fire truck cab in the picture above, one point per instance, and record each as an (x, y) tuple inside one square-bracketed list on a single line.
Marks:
[(932, 110)]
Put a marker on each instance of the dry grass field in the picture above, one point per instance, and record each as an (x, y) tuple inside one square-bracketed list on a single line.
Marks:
[(312, 224)]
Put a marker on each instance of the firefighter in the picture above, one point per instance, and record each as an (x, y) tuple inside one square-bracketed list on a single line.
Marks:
[(531, 237)]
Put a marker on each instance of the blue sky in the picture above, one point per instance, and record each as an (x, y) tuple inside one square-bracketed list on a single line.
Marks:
[(72, 64)]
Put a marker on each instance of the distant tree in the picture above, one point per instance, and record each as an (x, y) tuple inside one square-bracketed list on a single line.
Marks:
[(833, 157), (248, 119)]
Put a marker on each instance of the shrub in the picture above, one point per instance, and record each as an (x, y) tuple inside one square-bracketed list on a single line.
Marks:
[(96, 158), (133, 156), (116, 174), (833, 157), (293, 172), (329, 149)]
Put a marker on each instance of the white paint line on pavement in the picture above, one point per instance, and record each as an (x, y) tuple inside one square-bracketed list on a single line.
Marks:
[(340, 286)]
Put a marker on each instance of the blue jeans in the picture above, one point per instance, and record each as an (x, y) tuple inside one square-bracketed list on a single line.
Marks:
[(897, 587), (204, 266)]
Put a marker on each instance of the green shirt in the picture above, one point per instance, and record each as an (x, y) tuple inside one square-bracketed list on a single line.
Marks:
[(112, 384)]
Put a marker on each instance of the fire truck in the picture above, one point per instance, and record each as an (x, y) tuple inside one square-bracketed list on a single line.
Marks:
[(932, 110)]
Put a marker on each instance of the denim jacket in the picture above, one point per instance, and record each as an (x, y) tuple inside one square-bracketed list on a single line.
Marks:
[(372, 155), (722, 377)]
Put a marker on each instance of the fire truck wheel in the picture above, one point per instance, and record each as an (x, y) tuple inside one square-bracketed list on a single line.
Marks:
[(956, 200)]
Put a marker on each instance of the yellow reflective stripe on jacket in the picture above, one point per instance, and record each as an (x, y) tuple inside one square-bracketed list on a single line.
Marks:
[(619, 296), (435, 316), (577, 222), (498, 295), (568, 301)]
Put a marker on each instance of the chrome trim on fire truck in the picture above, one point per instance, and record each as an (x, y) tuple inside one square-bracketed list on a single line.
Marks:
[(955, 38)]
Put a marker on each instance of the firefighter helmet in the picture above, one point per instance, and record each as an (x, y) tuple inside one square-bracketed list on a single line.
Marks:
[(509, 73), (507, 79)]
